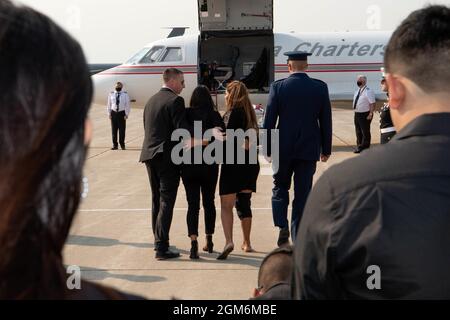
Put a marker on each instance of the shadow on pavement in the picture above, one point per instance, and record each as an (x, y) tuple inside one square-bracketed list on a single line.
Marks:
[(102, 242), (92, 274)]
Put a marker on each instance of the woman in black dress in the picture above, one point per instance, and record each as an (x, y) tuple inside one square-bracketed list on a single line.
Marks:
[(201, 178), (238, 180)]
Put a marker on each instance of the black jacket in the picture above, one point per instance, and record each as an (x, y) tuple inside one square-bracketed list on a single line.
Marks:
[(280, 291), (163, 113), (388, 208)]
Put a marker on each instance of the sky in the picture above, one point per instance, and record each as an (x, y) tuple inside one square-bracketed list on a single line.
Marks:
[(111, 31)]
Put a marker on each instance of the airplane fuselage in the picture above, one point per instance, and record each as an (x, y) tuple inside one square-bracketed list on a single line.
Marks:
[(337, 59)]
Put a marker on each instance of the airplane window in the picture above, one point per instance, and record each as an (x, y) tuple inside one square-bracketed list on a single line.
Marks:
[(172, 54), (138, 56), (152, 55)]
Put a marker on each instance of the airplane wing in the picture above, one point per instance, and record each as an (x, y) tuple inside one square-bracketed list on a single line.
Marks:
[(99, 67)]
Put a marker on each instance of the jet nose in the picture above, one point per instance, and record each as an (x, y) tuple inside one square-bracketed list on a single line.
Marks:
[(103, 84)]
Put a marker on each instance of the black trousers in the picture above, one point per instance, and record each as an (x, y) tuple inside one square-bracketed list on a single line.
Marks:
[(200, 179), (164, 179), (362, 126), (118, 123)]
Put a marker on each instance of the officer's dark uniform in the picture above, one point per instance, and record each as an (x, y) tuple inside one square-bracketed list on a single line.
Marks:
[(303, 110), (385, 214), (386, 125)]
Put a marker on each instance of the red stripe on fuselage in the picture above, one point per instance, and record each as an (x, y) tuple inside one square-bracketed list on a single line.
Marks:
[(137, 73), (155, 67)]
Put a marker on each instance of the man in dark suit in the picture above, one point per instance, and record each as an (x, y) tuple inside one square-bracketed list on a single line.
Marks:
[(164, 113), (303, 110), (377, 226)]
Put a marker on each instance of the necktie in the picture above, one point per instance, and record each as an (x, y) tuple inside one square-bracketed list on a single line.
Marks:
[(357, 97), (117, 101)]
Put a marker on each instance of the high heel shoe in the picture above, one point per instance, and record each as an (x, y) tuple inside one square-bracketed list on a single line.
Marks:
[(247, 248), (209, 244), (226, 251), (194, 250)]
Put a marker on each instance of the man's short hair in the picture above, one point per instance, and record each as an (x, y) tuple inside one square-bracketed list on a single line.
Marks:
[(361, 76), (298, 64), (277, 266), (420, 48), (170, 74)]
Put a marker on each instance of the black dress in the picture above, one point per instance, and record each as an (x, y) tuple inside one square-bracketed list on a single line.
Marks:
[(234, 177)]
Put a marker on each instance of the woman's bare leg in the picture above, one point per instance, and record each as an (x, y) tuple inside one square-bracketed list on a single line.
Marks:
[(227, 205)]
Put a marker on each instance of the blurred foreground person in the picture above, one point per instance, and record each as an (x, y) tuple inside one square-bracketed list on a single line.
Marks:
[(377, 226), (275, 275), (46, 94)]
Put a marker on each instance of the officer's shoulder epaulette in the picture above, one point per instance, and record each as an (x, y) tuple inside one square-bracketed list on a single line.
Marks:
[(112, 92), (277, 82), (125, 92), (319, 81)]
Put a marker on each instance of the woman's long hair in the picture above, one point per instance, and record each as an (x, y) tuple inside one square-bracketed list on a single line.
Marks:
[(46, 92), (238, 98), (201, 98)]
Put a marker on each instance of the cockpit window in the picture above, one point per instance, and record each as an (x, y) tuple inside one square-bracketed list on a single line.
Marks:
[(138, 56), (152, 55), (172, 54)]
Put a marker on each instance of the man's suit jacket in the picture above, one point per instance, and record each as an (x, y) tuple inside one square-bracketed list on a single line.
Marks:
[(163, 113), (303, 110)]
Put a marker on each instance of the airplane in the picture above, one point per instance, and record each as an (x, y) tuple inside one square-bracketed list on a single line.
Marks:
[(99, 67), (236, 42)]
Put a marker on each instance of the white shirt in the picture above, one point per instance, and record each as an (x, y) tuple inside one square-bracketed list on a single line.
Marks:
[(366, 98), (124, 102)]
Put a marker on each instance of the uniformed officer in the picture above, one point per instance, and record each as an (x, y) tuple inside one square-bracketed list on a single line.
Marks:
[(118, 108), (387, 127), (364, 104), (302, 107)]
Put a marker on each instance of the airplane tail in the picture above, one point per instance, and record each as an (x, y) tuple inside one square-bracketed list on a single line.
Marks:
[(177, 32)]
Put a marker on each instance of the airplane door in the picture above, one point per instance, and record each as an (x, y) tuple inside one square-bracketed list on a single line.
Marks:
[(236, 43), (235, 15)]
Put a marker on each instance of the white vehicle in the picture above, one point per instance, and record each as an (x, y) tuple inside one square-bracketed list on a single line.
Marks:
[(236, 42)]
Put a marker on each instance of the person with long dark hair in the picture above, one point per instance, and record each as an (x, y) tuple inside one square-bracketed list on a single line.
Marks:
[(238, 180), (46, 94), (201, 177)]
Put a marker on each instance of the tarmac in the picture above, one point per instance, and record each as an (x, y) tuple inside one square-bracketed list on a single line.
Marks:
[(111, 238)]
